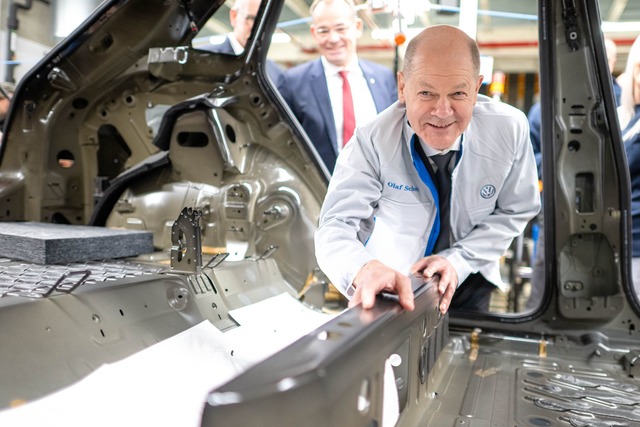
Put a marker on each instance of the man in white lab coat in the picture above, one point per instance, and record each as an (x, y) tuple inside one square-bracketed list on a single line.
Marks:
[(381, 218)]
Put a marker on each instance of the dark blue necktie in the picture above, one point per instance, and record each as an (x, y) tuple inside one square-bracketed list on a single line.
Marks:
[(442, 176)]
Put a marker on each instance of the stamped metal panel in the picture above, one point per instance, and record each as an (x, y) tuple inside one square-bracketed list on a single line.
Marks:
[(334, 376), (53, 338), (499, 380), (50, 343), (586, 179)]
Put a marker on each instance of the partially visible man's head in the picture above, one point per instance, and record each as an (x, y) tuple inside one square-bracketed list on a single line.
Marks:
[(629, 82), (612, 53), (336, 28), (439, 84), (242, 16)]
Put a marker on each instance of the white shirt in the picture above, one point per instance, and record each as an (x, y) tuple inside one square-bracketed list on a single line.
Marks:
[(432, 151), (428, 151), (364, 107)]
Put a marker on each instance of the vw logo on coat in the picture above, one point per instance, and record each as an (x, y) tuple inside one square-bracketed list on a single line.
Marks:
[(488, 191)]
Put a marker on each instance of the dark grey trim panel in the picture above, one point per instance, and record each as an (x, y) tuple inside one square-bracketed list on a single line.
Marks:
[(334, 376)]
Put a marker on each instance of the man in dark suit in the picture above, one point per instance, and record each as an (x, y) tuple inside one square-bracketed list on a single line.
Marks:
[(242, 15), (314, 90)]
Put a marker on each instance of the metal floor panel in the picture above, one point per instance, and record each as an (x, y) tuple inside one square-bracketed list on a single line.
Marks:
[(508, 384)]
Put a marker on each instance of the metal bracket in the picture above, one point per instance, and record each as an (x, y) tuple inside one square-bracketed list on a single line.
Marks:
[(268, 252), (216, 260), (570, 18), (61, 285), (632, 363), (186, 244)]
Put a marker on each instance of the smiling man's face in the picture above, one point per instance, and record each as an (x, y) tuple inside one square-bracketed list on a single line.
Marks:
[(439, 92), (336, 29)]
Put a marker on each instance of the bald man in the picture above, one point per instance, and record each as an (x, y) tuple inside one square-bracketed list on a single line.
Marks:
[(242, 16), (389, 211)]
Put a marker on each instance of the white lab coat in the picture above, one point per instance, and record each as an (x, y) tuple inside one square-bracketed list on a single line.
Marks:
[(378, 207)]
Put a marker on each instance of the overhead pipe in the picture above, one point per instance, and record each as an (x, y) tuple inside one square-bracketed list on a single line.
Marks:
[(12, 25)]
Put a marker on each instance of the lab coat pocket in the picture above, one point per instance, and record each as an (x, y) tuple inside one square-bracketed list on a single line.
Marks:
[(475, 200), (482, 196), (400, 233)]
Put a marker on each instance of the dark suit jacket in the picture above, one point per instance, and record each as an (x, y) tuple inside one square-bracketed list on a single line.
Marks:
[(273, 69), (304, 88)]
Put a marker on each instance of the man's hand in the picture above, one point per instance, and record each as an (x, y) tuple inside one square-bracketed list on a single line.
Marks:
[(436, 264), (375, 277)]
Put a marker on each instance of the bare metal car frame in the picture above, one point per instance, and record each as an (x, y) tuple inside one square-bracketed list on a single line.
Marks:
[(461, 369)]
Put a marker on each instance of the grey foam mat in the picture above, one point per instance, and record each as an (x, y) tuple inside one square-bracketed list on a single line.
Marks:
[(45, 243)]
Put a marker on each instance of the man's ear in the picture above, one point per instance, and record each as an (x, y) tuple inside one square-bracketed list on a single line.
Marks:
[(359, 27), (233, 15), (479, 85), (401, 85)]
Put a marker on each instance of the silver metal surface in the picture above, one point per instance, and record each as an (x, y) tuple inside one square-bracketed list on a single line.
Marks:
[(186, 246), (227, 147)]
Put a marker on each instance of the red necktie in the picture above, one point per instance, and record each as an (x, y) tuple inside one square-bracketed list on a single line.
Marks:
[(349, 123)]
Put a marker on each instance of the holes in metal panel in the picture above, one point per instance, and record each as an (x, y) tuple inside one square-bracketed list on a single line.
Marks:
[(65, 159), (129, 100), (364, 397), (182, 245), (584, 192), (80, 103), (192, 139), (422, 365), (231, 134), (537, 421), (59, 218), (113, 150), (395, 360), (328, 335), (102, 44), (573, 146)]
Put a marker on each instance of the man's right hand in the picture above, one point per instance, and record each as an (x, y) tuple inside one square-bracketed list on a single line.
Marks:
[(375, 277)]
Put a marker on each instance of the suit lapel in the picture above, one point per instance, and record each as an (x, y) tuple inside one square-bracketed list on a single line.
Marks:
[(318, 83), (226, 47), (377, 94)]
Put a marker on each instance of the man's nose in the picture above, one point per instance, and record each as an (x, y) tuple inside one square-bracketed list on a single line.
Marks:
[(442, 107), (334, 36)]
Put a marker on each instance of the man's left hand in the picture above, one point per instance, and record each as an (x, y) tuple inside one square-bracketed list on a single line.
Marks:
[(436, 264)]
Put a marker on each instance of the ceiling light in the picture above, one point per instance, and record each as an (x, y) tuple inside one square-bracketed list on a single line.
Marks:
[(620, 27)]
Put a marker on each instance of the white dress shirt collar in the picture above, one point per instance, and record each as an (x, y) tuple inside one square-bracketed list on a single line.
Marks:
[(429, 151), (332, 69)]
